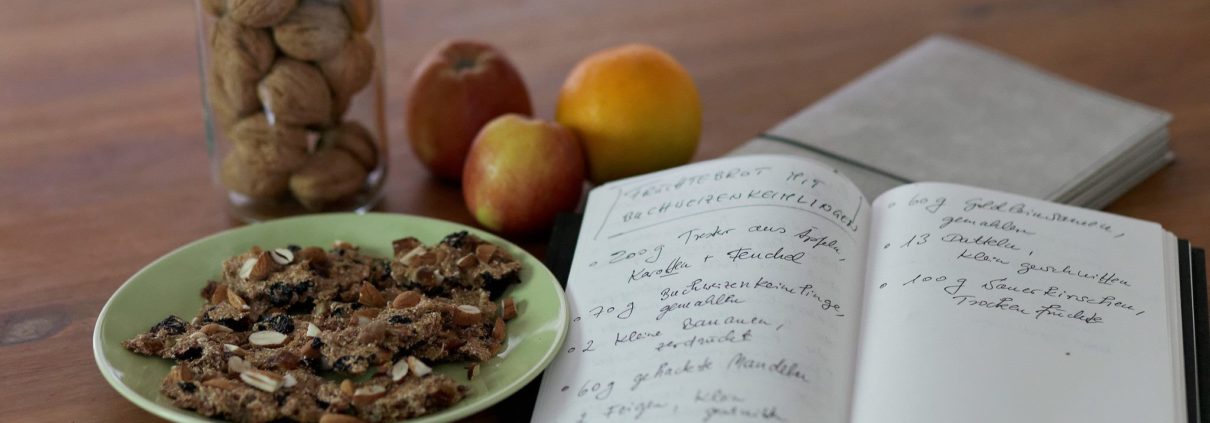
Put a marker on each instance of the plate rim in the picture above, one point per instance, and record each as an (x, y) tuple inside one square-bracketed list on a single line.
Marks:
[(176, 413)]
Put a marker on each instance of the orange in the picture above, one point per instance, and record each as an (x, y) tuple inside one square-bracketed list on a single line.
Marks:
[(635, 109)]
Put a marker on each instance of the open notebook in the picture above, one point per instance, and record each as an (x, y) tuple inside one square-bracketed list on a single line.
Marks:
[(769, 288)]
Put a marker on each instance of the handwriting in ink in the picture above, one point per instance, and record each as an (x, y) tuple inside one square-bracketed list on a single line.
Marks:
[(691, 323), (930, 205), (634, 409), (712, 300), (596, 390), (673, 268), (981, 240), (1103, 278), (1003, 225), (696, 234), (745, 413), (1020, 208), (817, 240), (980, 256), (746, 253), (634, 336), (649, 255), (801, 178), (731, 337), (781, 367), (666, 370)]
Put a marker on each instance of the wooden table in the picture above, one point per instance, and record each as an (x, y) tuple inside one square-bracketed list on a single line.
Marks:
[(103, 166)]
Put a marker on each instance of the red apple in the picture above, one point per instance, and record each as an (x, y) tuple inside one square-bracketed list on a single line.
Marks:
[(521, 173), (456, 90)]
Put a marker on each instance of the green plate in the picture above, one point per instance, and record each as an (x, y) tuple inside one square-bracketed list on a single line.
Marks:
[(170, 285)]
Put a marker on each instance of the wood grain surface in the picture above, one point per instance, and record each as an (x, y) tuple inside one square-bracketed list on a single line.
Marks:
[(103, 166)]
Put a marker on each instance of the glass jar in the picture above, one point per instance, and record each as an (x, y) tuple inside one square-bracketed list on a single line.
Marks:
[(293, 104)]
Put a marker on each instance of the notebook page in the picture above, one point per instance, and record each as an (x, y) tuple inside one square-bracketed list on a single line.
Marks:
[(722, 291), (991, 307)]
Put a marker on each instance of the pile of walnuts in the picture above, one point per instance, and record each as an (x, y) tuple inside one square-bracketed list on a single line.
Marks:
[(280, 72)]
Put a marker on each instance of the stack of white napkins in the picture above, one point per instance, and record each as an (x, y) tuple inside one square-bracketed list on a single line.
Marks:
[(948, 110)]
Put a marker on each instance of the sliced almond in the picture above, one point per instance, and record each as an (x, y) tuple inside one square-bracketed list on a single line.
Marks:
[(510, 308), (499, 331), (484, 252), (370, 296), (316, 256), (472, 371), (399, 370), (418, 367), (404, 245), (198, 336), (288, 381), (267, 338), (339, 418), (312, 330), (231, 348), (219, 295), (260, 379), (367, 394), (180, 373), (221, 383), (310, 350), (213, 328), (411, 256), (466, 315), (282, 256), (245, 270), (235, 364), (265, 266), (367, 312), (372, 332), (361, 320), (346, 387), (406, 299), (466, 262), (236, 300)]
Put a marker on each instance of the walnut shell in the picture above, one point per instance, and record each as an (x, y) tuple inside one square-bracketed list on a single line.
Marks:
[(360, 13), (276, 147), (250, 179), (313, 31), (329, 177), (348, 72), (215, 7), (259, 13), (239, 57), (295, 93), (355, 139), (225, 111)]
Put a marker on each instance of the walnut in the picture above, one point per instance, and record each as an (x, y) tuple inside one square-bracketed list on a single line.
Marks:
[(354, 138), (313, 31), (360, 13), (240, 56), (348, 71), (215, 7), (295, 93), (329, 177), (251, 180), (226, 112), (260, 13), (276, 147)]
